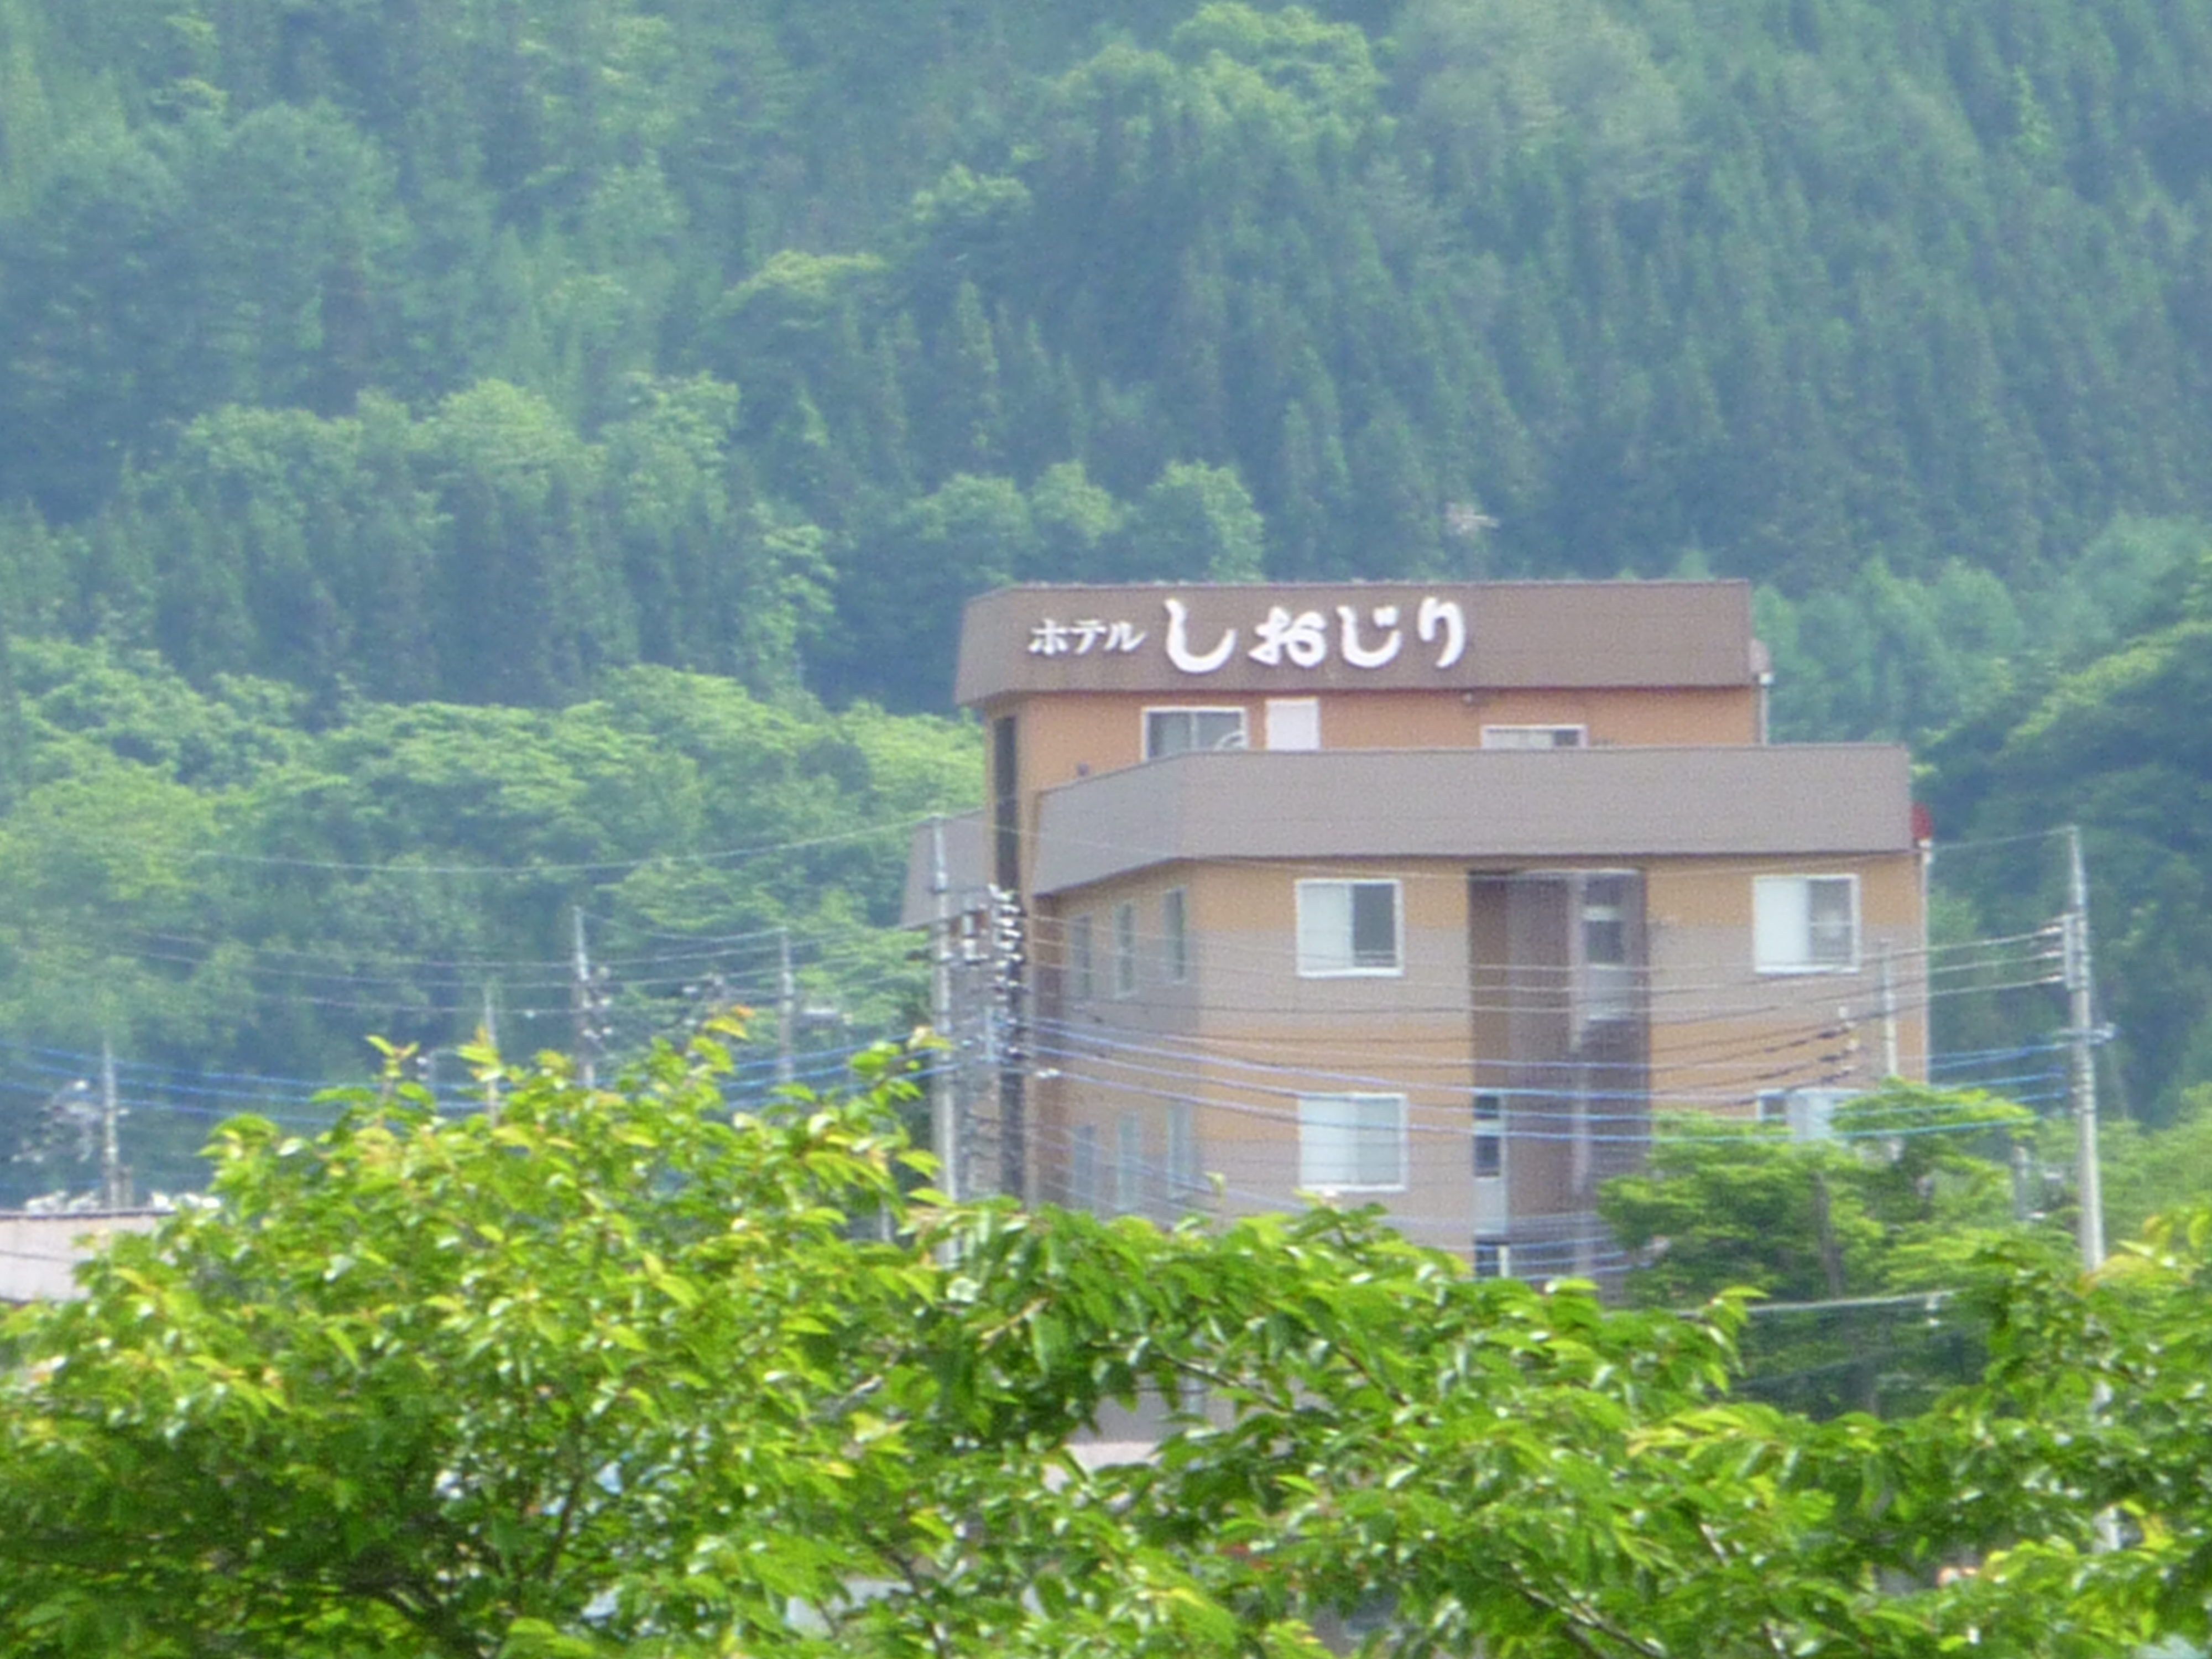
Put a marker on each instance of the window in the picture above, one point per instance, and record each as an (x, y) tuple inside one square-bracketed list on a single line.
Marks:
[(1172, 731), (1805, 924), (1184, 1174), (1608, 980), (1294, 723), (1082, 1168), (1347, 927), (1494, 1258), (1351, 1143), (1129, 1165), (1175, 934), (1605, 923), (1082, 981), (1536, 737), (1125, 948), (1489, 1137)]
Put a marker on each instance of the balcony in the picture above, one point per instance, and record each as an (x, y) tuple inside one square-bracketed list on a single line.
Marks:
[(1585, 804)]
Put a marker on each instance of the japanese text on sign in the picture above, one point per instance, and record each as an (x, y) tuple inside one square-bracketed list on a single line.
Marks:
[(1079, 639), (1302, 639)]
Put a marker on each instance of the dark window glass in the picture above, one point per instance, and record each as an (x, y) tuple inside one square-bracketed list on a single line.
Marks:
[(1489, 1139), (1374, 925)]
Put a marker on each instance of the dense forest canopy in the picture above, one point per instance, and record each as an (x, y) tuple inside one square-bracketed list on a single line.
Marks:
[(397, 393), (347, 339)]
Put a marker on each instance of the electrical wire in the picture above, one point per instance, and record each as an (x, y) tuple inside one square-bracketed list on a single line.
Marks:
[(659, 860)]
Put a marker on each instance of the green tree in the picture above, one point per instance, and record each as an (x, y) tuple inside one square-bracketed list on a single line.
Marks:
[(904, 577), (1855, 1211), (94, 321), (1076, 523), (2117, 746), (527, 608), (615, 1371), (1196, 523), (1838, 1231)]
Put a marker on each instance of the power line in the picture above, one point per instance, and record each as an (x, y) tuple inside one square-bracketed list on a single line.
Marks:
[(760, 850)]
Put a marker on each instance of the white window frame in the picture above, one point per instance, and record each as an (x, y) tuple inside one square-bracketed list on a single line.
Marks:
[(1524, 737), (1783, 903), (1313, 963), (1175, 935), (1608, 980), (1242, 738), (1082, 962), (1500, 1252), (1293, 724), (1326, 1113), (1489, 1130), (1125, 948)]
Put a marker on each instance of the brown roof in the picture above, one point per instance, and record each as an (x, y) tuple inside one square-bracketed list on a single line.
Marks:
[(1516, 634), (1748, 801)]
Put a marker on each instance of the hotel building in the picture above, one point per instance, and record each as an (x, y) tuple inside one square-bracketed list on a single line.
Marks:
[(1427, 895)]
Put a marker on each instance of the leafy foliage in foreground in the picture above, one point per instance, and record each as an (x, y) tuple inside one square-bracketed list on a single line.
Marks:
[(618, 1374)]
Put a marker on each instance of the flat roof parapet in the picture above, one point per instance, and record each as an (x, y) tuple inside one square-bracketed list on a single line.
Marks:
[(1628, 804)]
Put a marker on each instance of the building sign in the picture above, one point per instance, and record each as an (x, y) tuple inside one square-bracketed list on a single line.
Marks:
[(1274, 639), (1063, 639), (1363, 637)]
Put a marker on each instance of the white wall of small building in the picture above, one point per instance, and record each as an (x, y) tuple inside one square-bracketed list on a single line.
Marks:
[(39, 1253)]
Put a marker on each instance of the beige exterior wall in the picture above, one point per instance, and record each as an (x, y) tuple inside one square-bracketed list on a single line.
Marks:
[(1727, 1033), (1061, 738), (1245, 1034), (1067, 737)]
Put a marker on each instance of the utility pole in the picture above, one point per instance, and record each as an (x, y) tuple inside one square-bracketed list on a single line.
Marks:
[(1889, 1067), (2089, 1178), (114, 1179), (1844, 1059), (944, 1108), (1009, 958), (2081, 1011), (581, 1000), (786, 1011)]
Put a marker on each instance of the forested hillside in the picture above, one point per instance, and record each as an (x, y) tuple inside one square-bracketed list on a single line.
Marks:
[(399, 400), (461, 349), (233, 891), (2123, 747)]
